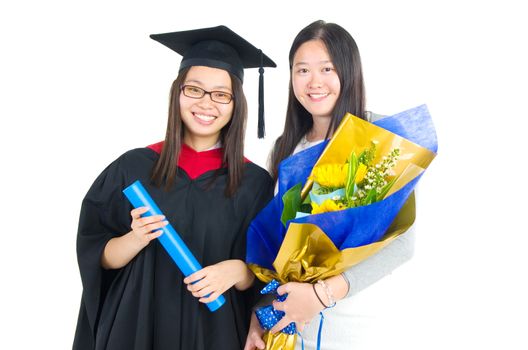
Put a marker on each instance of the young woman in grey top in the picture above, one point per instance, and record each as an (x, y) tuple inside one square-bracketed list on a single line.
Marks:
[(326, 82)]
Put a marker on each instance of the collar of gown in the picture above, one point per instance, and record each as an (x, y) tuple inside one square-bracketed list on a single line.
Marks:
[(196, 163)]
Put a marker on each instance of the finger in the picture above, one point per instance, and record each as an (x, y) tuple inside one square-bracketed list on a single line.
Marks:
[(150, 220), (210, 298), (277, 305), (199, 292), (197, 286), (280, 325), (206, 291), (256, 338), (284, 289), (155, 226), (154, 235), (254, 341), (198, 275), (251, 344), (259, 343), (136, 213)]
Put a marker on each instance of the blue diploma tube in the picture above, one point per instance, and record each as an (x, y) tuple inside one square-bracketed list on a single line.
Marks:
[(170, 239)]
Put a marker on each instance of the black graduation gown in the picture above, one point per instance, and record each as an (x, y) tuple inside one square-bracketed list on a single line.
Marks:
[(145, 305)]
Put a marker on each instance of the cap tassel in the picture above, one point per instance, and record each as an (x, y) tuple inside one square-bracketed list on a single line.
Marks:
[(261, 126)]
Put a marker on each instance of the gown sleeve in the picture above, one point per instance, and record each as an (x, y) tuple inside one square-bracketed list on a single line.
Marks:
[(104, 215), (258, 191)]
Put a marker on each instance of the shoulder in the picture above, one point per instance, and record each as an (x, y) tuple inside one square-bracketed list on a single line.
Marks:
[(256, 182), (139, 154), (256, 173), (138, 158), (130, 162), (256, 188)]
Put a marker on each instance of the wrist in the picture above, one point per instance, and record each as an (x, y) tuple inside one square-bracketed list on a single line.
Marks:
[(320, 297), (246, 276), (324, 293), (135, 242), (339, 286)]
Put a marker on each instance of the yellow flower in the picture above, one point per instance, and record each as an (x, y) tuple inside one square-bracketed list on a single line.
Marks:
[(327, 206), (330, 175), (360, 173)]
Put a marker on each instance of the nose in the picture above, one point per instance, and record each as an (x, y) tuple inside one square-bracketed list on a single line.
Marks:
[(315, 81), (205, 101)]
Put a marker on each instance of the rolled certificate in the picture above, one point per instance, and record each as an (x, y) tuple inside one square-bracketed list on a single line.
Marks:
[(170, 239)]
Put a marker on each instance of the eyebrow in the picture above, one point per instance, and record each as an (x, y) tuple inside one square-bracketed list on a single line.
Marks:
[(200, 83), (302, 62)]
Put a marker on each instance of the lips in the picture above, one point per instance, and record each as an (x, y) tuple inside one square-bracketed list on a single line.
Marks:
[(317, 96), (204, 119)]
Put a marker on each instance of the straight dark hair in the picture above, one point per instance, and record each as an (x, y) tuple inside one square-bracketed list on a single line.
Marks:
[(231, 137), (345, 57)]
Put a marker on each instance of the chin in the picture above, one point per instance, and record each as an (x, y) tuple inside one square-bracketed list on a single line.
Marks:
[(320, 112)]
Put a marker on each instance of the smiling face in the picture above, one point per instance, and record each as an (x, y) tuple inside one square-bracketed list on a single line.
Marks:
[(203, 118), (314, 79)]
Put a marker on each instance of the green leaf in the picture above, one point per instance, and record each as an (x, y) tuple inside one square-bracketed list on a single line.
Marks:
[(308, 200), (292, 203), (362, 157), (371, 196), (386, 189), (353, 165)]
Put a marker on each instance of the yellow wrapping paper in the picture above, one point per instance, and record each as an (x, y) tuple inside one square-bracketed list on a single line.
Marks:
[(355, 133)]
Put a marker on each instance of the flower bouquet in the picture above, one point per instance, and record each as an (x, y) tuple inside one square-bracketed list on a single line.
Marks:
[(356, 198)]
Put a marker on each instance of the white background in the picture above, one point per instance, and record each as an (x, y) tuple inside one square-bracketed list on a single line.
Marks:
[(81, 82)]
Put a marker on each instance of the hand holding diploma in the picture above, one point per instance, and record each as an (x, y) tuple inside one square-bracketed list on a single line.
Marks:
[(148, 228), (213, 280), (170, 239)]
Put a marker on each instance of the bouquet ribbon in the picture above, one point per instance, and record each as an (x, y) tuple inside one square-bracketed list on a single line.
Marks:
[(268, 317)]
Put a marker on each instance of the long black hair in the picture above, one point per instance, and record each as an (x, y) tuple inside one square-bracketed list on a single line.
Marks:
[(231, 137), (345, 57)]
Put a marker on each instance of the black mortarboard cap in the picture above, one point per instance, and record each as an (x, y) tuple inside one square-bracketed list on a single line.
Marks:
[(219, 47)]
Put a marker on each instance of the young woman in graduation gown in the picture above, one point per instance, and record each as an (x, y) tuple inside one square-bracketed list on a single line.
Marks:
[(134, 296)]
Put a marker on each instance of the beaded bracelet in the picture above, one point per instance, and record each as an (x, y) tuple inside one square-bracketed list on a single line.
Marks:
[(328, 292)]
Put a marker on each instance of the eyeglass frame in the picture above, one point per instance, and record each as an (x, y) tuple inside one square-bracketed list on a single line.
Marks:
[(205, 92)]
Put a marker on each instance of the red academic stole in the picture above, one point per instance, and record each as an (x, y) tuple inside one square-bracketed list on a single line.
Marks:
[(196, 163)]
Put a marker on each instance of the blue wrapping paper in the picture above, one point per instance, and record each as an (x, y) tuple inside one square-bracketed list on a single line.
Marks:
[(347, 228), (170, 239)]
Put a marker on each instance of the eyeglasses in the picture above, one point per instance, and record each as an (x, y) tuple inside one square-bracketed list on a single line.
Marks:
[(216, 96)]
